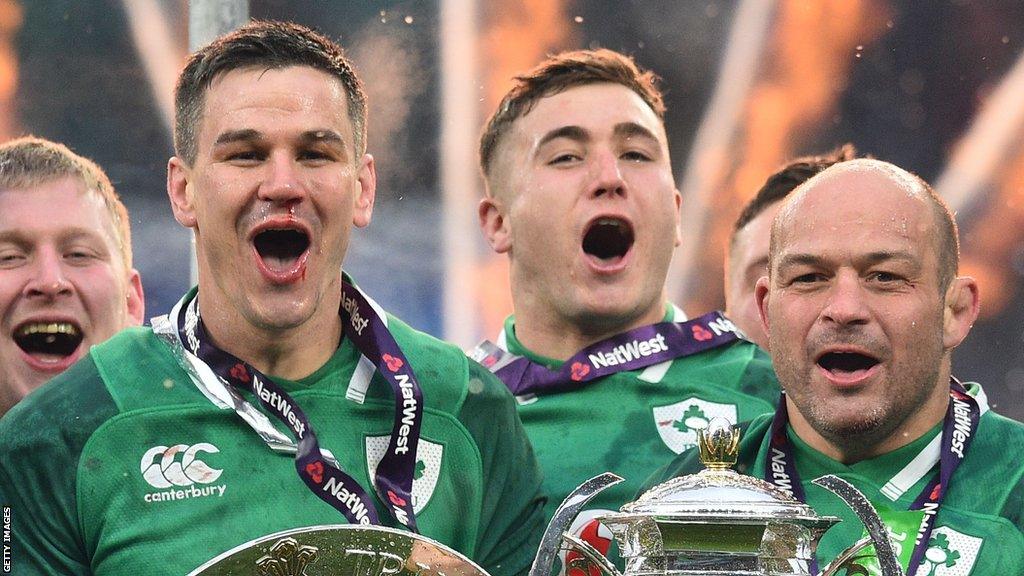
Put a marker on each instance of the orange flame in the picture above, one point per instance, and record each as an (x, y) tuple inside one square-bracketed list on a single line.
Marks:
[(813, 46), (516, 37), (11, 16), (987, 253)]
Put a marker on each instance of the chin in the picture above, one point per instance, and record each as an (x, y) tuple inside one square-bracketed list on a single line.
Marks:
[(283, 317), (857, 427)]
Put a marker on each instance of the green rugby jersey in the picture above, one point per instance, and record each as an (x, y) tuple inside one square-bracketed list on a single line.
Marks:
[(979, 529), (631, 423), (93, 487)]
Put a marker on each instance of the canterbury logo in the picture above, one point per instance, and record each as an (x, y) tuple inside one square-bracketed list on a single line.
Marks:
[(178, 465)]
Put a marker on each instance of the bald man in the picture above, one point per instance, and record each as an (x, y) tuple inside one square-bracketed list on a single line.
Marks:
[(863, 308)]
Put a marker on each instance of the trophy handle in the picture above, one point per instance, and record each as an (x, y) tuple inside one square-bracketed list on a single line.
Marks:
[(591, 554), (846, 555), (877, 534), (551, 542)]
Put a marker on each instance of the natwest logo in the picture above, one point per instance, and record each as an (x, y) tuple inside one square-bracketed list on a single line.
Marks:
[(180, 466), (627, 352), (352, 307)]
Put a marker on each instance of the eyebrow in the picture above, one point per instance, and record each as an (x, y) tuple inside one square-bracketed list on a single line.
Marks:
[(632, 130), (575, 133), (231, 136), (869, 258), (324, 135), (251, 135)]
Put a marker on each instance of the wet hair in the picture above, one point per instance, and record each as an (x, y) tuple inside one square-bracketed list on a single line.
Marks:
[(266, 45), (31, 161), (785, 180), (559, 73)]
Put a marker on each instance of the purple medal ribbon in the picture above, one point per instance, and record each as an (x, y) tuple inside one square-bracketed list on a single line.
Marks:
[(958, 430), (632, 350), (371, 337)]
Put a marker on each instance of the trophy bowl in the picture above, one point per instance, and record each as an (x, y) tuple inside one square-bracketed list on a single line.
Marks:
[(347, 549), (714, 523)]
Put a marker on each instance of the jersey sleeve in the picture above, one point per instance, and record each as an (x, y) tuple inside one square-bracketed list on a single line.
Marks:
[(41, 440), (512, 517)]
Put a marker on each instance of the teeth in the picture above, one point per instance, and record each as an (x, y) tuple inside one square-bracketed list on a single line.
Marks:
[(609, 221), (50, 328)]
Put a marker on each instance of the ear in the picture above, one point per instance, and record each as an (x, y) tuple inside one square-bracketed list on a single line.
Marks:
[(494, 224), (366, 192), (961, 309), (136, 299), (181, 192), (679, 206), (761, 296)]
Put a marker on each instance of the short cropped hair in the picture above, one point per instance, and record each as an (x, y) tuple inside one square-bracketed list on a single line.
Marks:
[(559, 73), (30, 161), (268, 45), (786, 179)]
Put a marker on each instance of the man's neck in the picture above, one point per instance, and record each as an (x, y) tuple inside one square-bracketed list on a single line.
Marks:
[(291, 353), (559, 339)]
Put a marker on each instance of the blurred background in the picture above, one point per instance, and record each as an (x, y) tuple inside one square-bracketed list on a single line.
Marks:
[(936, 87)]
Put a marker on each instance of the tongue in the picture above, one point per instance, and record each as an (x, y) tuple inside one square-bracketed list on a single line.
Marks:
[(279, 263), (847, 372), (48, 357)]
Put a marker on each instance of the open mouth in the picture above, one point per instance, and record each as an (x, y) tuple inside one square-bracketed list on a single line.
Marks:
[(847, 363), (608, 239), (281, 249), (48, 341)]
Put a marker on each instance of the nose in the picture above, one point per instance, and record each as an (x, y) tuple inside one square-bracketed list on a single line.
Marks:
[(607, 175), (282, 184), (846, 305), (48, 276)]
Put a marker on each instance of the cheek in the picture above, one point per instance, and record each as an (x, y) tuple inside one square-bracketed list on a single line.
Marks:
[(790, 319), (103, 291)]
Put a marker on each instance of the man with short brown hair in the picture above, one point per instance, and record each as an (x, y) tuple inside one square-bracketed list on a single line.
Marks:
[(580, 195), (276, 395)]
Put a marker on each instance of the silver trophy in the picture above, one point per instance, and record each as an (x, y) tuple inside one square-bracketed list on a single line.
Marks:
[(716, 522)]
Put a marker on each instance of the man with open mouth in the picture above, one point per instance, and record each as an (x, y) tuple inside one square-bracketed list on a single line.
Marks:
[(580, 196), (66, 276), (863, 307), (275, 395)]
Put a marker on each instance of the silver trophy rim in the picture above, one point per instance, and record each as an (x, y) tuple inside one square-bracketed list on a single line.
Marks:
[(284, 533)]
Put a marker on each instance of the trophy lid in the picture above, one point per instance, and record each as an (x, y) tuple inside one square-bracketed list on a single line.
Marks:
[(719, 494)]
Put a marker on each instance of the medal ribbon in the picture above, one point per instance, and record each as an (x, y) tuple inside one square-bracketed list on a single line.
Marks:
[(958, 430), (366, 329), (637, 348)]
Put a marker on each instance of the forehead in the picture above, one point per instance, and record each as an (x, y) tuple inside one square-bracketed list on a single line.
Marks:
[(857, 210), (55, 207), (597, 108), (752, 240), (269, 99)]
